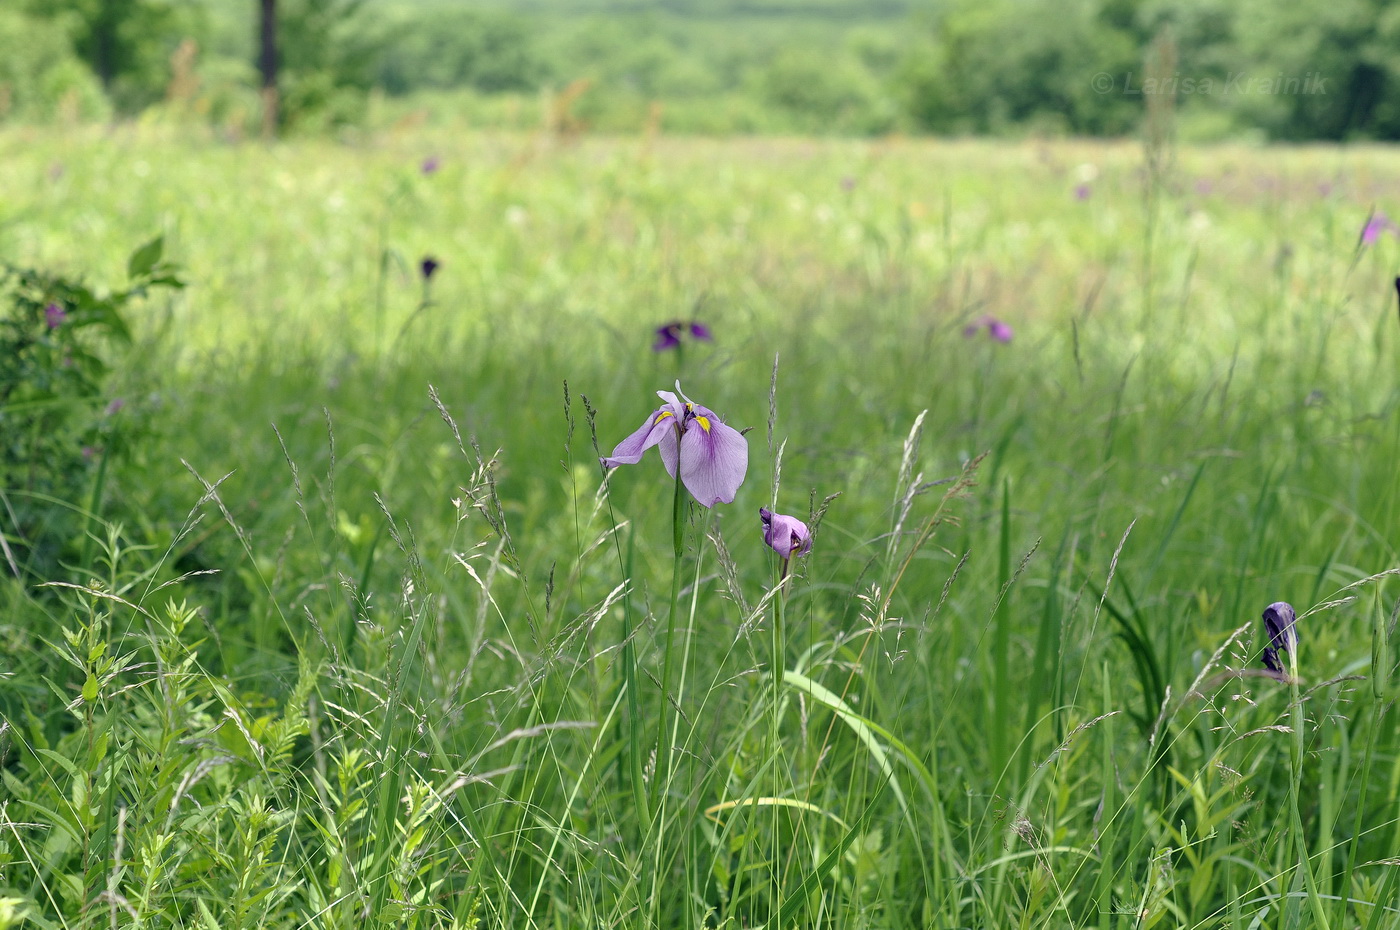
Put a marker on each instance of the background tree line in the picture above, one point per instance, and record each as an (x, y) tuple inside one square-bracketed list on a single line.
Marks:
[(824, 66)]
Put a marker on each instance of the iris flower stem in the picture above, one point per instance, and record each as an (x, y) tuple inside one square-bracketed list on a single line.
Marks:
[(779, 663), (1295, 786), (663, 753)]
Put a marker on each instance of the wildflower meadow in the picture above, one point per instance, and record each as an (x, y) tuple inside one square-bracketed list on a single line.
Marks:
[(507, 529)]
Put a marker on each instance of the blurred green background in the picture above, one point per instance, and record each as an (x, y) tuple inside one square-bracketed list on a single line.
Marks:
[(1310, 69)]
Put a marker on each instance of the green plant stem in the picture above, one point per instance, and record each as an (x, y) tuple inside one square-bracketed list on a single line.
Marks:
[(663, 753), (779, 663), (1295, 783)]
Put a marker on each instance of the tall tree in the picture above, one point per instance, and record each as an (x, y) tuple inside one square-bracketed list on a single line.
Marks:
[(267, 64)]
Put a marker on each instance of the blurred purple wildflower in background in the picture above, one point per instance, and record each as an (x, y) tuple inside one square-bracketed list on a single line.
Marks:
[(54, 316), (848, 183), (430, 164), (995, 328), (787, 536), (1376, 224), (1279, 619), (428, 267), (668, 335), (713, 457), (1082, 191), (116, 404)]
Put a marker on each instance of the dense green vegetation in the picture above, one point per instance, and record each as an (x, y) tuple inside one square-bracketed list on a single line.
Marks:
[(1317, 69), (350, 631)]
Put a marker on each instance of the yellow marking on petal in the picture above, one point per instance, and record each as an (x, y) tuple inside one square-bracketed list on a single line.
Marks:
[(704, 423), (661, 416)]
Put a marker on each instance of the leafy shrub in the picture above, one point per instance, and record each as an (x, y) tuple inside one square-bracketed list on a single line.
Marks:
[(55, 420)]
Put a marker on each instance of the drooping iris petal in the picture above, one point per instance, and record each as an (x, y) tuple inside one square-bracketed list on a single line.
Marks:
[(660, 424), (787, 536), (713, 458), (667, 337), (700, 331)]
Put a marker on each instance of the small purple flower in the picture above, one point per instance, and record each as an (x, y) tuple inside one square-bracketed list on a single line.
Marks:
[(1279, 620), (116, 404), (1082, 191), (1376, 224), (55, 316), (428, 266), (787, 536), (668, 335), (713, 457), (430, 165), (995, 328)]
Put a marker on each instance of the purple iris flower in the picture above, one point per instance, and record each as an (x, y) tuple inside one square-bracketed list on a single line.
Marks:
[(787, 536), (1279, 620), (995, 328), (428, 266), (1376, 224), (430, 164), (713, 457), (55, 316), (668, 335)]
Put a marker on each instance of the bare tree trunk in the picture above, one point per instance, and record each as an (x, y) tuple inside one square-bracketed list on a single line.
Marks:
[(267, 64)]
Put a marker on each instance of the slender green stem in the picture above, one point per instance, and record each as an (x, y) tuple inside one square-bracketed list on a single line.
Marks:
[(1295, 784), (779, 663), (663, 749)]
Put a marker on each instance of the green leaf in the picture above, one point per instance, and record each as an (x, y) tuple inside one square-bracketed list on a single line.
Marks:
[(145, 258)]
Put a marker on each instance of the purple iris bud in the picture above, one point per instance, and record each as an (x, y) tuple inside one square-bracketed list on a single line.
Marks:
[(430, 164), (700, 331), (55, 316), (1279, 620), (1082, 191), (787, 536), (713, 458), (429, 266), (1376, 224), (667, 337), (995, 328)]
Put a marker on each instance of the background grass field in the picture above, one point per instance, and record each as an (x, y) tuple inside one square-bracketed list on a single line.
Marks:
[(329, 664)]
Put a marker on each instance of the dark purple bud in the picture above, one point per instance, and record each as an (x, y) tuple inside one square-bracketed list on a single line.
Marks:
[(668, 336), (700, 331), (1397, 291), (54, 316), (429, 266), (1279, 619)]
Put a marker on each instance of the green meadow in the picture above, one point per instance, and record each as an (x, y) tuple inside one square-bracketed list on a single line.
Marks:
[(342, 624)]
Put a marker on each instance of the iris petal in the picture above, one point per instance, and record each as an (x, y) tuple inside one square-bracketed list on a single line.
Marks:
[(659, 424), (713, 461)]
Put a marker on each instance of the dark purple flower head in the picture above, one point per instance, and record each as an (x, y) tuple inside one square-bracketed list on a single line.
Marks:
[(428, 266), (668, 335), (55, 316), (713, 458), (787, 536), (1082, 191), (1376, 224), (1279, 620), (995, 328), (430, 164)]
